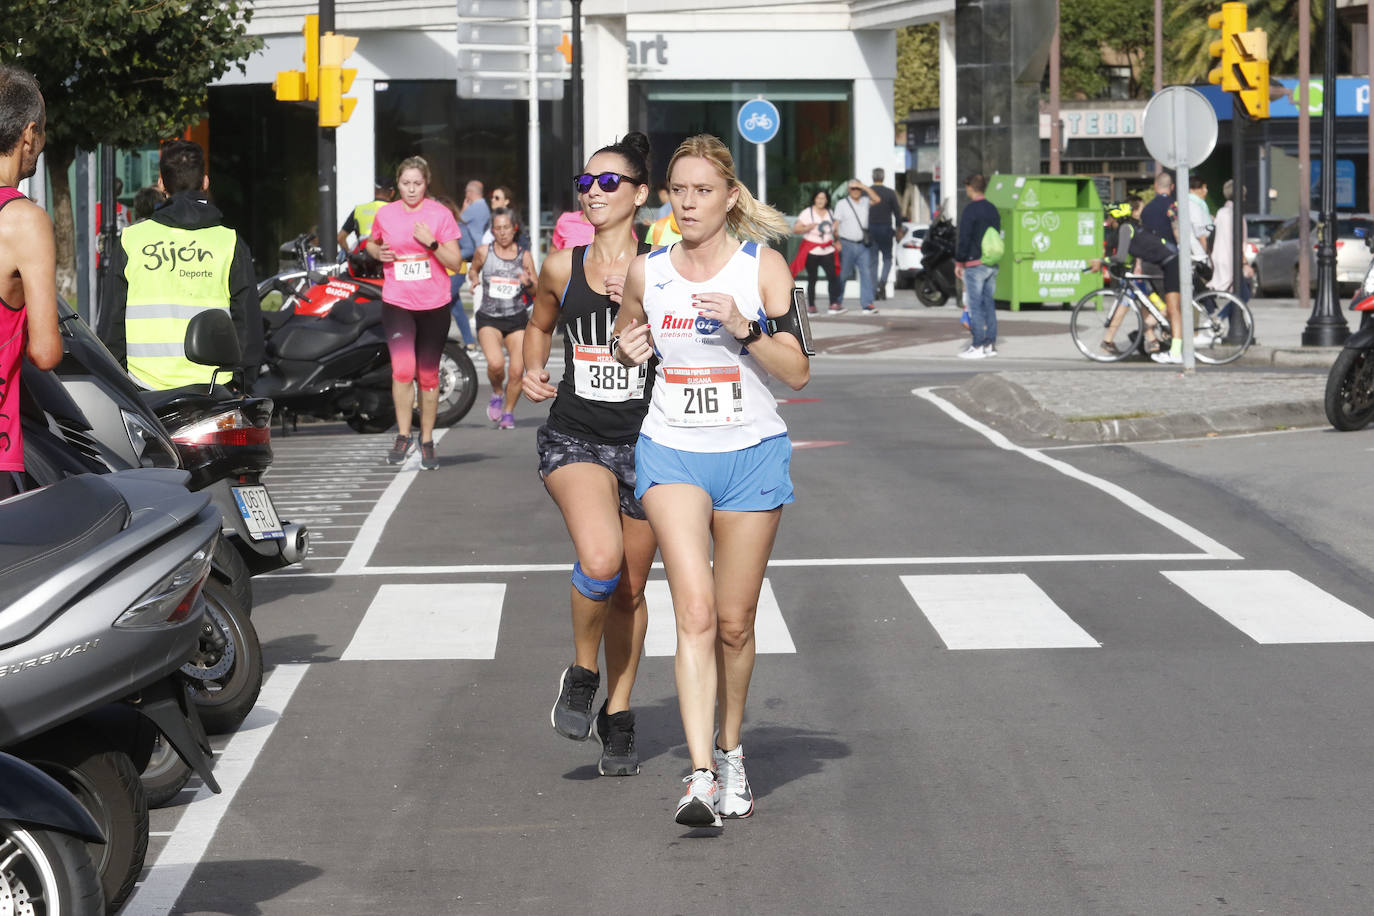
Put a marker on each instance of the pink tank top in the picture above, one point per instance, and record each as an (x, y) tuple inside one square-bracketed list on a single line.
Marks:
[(12, 327)]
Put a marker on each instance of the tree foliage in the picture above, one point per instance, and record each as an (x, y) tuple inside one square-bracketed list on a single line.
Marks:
[(119, 72), (1188, 38), (1091, 29), (918, 69)]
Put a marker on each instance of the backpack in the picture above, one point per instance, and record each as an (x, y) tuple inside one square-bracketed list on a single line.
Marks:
[(993, 247), (1149, 247)]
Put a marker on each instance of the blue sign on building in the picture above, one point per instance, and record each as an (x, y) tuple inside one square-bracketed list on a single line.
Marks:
[(1352, 98), (758, 121)]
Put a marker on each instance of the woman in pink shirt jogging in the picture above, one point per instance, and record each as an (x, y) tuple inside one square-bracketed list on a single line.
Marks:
[(415, 238)]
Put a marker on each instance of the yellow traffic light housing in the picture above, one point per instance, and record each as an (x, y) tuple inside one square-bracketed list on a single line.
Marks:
[(1231, 22), (336, 79), (1253, 70), (302, 86)]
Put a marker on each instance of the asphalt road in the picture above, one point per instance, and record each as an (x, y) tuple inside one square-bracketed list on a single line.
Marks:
[(996, 680)]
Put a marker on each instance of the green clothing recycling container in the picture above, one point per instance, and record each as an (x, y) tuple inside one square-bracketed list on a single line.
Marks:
[(1052, 226)]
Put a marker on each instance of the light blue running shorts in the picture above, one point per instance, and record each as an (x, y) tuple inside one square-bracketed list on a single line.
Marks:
[(749, 480)]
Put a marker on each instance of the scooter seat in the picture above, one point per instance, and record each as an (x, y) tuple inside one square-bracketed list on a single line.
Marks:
[(159, 401), (312, 338), (42, 530)]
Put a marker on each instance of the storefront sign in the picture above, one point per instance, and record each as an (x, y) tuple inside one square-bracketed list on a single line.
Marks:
[(1083, 123), (1352, 98)]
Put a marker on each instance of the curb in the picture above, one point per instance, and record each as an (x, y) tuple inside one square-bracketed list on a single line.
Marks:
[(1011, 409), (1290, 357)]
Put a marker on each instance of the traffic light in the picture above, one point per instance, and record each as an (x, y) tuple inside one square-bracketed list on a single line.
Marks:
[(298, 86), (336, 79), (1253, 66), (1231, 22)]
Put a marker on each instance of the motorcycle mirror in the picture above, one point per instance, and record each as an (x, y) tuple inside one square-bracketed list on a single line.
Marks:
[(212, 341)]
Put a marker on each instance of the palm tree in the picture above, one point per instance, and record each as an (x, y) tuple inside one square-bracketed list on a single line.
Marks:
[(1188, 38)]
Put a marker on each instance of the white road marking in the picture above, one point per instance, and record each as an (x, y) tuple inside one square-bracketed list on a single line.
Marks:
[(998, 611), (1275, 605), (771, 636), (415, 622), (371, 533), (167, 878), (1213, 549)]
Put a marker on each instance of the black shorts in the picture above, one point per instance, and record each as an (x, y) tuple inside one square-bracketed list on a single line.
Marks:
[(1170, 282), (558, 450), (507, 325)]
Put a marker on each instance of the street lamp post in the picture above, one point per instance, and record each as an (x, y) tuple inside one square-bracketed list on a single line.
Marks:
[(1326, 327)]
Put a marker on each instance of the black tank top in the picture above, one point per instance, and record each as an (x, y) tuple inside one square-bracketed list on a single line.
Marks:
[(588, 318)]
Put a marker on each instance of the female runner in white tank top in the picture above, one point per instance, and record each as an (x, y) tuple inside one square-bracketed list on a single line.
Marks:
[(713, 454)]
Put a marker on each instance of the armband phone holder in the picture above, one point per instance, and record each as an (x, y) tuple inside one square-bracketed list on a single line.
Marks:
[(795, 322)]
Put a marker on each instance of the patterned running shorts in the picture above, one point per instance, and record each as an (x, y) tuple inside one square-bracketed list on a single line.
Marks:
[(557, 450)]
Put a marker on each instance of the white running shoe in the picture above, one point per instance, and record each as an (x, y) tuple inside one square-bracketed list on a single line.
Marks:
[(1164, 356), (989, 350), (698, 807), (736, 798), (971, 352)]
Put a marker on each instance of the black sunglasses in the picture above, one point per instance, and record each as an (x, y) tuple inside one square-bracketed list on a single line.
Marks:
[(609, 181)]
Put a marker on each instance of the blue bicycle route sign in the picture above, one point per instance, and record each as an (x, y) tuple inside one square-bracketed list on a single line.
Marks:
[(758, 121)]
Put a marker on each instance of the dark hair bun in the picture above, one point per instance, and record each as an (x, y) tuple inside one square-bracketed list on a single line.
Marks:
[(638, 142)]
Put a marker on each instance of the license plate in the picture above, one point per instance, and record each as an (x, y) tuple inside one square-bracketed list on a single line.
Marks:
[(258, 512)]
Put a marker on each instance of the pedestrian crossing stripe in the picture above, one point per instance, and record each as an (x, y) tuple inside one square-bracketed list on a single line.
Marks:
[(1006, 611)]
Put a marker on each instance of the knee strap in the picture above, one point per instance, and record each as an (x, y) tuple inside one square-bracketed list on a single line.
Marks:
[(595, 589)]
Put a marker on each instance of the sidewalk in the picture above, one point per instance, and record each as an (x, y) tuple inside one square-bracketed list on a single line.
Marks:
[(1071, 399)]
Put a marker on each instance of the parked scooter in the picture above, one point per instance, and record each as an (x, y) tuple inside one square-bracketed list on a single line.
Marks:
[(47, 869), (100, 606), (327, 355), (99, 413), (1350, 384), (934, 282)]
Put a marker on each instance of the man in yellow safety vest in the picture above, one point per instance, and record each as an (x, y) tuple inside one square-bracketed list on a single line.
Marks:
[(359, 222), (664, 232), (168, 268)]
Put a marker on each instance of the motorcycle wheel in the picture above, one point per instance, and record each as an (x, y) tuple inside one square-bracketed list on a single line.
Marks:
[(929, 293), (457, 385), (369, 424), (165, 775), (240, 584), (1350, 390), (106, 784), (226, 671), (47, 873)]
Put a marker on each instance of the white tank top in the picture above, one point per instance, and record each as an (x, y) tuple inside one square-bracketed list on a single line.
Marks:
[(709, 395)]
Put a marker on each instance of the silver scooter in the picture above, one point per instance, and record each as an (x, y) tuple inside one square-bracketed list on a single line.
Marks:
[(100, 607)]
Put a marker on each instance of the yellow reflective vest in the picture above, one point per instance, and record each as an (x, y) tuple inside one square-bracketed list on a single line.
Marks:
[(664, 232), (364, 214), (173, 275)]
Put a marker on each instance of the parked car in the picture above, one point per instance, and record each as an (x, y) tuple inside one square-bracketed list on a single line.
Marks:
[(1259, 230), (908, 258), (1276, 264)]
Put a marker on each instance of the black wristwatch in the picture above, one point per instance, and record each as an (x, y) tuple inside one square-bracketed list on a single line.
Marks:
[(755, 332), (433, 246)]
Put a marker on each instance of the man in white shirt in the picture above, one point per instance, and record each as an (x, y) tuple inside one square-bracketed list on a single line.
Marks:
[(1200, 218), (856, 252)]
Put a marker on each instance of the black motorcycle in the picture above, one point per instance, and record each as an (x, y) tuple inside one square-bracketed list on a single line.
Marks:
[(934, 282), (327, 355), (1350, 384)]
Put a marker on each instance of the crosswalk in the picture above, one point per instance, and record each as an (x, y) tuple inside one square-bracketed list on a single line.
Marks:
[(967, 612)]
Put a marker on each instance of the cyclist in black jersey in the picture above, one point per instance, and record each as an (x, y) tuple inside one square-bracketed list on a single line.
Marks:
[(586, 451)]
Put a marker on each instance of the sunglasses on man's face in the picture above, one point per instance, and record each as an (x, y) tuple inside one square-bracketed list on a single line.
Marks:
[(609, 181)]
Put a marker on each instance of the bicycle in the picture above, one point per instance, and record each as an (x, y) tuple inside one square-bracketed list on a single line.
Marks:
[(1109, 324)]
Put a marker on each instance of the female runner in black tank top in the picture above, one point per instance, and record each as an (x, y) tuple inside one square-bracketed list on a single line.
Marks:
[(586, 452)]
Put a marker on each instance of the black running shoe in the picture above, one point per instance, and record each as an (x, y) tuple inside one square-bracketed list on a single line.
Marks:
[(617, 736), (428, 460), (572, 712), (399, 449)]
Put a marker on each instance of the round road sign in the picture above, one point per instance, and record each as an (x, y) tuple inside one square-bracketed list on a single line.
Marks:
[(758, 121), (1179, 127)]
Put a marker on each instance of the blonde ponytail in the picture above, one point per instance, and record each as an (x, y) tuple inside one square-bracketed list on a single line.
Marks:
[(749, 219)]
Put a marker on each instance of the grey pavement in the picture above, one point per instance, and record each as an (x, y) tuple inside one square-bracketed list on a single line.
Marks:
[(1040, 387)]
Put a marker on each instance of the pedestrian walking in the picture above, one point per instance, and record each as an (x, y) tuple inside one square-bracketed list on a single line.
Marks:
[(712, 461), (456, 279), (1223, 269), (28, 263), (856, 246), (506, 272), (416, 239), (884, 219), (153, 296), (587, 452), (980, 279), (475, 218), (816, 226)]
